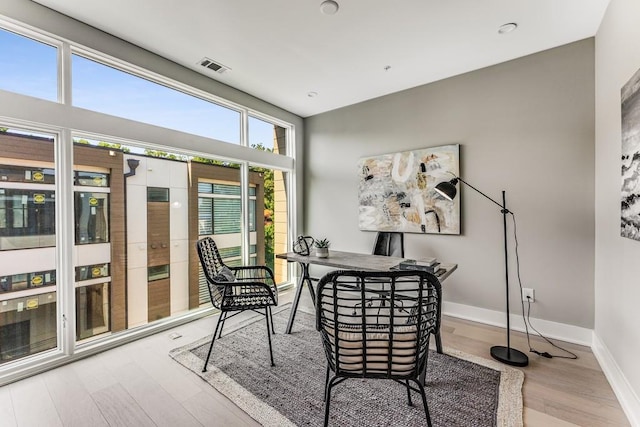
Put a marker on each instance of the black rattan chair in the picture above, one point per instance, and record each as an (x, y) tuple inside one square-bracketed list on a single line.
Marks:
[(364, 338), (236, 289), (391, 243)]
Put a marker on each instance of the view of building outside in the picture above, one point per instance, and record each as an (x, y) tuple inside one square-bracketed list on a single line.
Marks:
[(131, 268), (137, 211), (28, 297)]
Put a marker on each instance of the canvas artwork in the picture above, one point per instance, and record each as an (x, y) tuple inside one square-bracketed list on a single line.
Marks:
[(396, 191), (630, 209)]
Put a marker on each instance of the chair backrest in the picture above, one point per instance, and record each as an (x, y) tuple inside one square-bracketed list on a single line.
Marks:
[(377, 324), (389, 244), (212, 266)]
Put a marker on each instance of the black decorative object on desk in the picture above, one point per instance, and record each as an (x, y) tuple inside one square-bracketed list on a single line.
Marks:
[(507, 355), (303, 245)]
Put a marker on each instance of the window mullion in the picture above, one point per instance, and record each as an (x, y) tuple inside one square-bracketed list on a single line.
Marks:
[(64, 74), (244, 203), (65, 242)]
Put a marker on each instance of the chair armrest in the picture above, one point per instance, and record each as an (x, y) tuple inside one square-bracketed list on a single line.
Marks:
[(253, 272), (239, 284)]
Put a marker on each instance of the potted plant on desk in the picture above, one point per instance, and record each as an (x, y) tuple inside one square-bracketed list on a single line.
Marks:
[(322, 248)]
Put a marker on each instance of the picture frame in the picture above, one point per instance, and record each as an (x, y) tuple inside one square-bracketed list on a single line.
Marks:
[(396, 191)]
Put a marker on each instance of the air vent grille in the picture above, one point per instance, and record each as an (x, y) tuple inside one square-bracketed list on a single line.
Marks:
[(213, 66)]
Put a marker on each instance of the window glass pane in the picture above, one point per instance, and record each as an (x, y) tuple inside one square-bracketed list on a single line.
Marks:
[(100, 274), (88, 272), (91, 179), (272, 224), (10, 173), (27, 326), (205, 187), (92, 217), (205, 216), (219, 211), (105, 89), (28, 67), (155, 194), (232, 190), (28, 288), (92, 310), (19, 282), (267, 136), (27, 218), (226, 216), (232, 252), (158, 272)]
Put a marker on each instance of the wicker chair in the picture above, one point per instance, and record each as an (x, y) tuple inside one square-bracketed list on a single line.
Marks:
[(389, 243), (236, 289), (363, 338)]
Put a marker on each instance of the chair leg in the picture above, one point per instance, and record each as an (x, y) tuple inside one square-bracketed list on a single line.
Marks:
[(213, 339), (224, 317), (409, 394), (326, 383), (273, 330), (328, 401), (438, 342), (266, 316), (424, 403)]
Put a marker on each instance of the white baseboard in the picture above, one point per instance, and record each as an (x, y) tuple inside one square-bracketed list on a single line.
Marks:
[(559, 331), (627, 397)]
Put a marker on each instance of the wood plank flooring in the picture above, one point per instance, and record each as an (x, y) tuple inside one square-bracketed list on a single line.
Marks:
[(138, 384)]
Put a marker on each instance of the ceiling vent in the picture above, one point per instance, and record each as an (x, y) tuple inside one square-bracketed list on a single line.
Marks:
[(213, 66)]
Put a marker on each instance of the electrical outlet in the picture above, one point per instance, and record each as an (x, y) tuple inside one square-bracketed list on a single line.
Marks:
[(528, 292)]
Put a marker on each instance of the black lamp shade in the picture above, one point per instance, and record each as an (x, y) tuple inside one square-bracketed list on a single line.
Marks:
[(447, 189)]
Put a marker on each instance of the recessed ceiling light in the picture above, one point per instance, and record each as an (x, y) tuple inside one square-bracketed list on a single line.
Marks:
[(312, 94), (507, 28), (329, 7)]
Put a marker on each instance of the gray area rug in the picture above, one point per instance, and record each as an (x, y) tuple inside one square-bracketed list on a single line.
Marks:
[(462, 390)]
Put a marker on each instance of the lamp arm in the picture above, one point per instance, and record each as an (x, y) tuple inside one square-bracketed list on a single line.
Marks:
[(504, 208)]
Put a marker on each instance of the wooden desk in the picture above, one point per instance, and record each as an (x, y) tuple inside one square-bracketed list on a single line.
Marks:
[(347, 261)]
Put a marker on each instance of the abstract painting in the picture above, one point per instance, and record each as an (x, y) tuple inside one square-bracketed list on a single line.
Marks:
[(396, 191), (630, 209)]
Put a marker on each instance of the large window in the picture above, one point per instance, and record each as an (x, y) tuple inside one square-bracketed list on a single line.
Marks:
[(28, 67), (105, 89), (131, 205)]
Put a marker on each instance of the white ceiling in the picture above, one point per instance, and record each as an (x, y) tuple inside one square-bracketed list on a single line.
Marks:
[(280, 50)]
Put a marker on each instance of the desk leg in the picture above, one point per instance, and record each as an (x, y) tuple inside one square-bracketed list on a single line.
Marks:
[(304, 278)]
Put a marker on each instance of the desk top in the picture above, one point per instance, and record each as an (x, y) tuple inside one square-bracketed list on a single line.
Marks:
[(357, 261)]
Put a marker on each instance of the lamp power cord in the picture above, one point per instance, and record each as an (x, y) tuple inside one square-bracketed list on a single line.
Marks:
[(527, 319)]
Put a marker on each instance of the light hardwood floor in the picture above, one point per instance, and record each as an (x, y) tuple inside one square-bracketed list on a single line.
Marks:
[(138, 384)]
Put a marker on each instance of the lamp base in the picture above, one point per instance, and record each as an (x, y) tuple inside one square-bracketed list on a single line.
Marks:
[(510, 356)]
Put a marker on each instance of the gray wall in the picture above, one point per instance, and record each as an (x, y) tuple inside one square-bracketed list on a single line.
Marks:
[(525, 126), (617, 270)]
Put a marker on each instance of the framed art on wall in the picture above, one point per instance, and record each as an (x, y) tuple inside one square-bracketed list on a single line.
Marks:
[(630, 193), (396, 191)]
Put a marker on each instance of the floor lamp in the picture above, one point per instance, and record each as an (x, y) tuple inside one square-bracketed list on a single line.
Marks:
[(507, 355)]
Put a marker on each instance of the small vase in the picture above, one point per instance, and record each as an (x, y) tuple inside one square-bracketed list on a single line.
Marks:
[(322, 252)]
